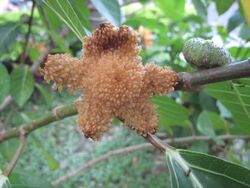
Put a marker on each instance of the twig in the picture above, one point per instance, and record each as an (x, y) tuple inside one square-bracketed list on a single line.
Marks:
[(25, 50), (218, 74), (98, 160), (37, 63), (154, 141), (57, 114), (13, 162)]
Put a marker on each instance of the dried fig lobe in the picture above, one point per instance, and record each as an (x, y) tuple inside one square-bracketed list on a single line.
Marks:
[(205, 54)]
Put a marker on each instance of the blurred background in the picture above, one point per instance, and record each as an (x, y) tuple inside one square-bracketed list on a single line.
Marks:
[(30, 30)]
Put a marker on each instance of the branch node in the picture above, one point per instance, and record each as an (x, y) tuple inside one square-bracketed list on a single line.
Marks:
[(23, 132), (184, 81), (55, 113), (2, 134), (156, 142)]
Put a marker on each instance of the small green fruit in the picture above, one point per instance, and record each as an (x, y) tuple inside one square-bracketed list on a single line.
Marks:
[(205, 54)]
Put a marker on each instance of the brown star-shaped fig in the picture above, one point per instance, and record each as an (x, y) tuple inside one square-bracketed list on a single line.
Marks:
[(113, 81)]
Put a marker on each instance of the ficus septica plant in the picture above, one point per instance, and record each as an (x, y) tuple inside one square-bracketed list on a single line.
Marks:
[(155, 72)]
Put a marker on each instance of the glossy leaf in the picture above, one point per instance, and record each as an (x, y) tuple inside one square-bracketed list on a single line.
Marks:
[(55, 23), (60, 43), (224, 112), (110, 10), (204, 125), (217, 121), (234, 21), (172, 9), (33, 53), (45, 93), (207, 102), (151, 24), (236, 98), (245, 32), (223, 5), (200, 146), (192, 169), (4, 82), (65, 11), (240, 52), (82, 11), (8, 33), (171, 113), (201, 8), (8, 149), (22, 85)]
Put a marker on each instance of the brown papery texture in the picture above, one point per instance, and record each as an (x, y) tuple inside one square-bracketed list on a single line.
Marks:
[(113, 81)]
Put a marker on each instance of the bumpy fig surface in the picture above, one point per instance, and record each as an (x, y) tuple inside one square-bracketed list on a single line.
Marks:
[(205, 54)]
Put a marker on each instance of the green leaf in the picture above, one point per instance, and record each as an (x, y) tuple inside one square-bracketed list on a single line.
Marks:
[(223, 110), (245, 32), (201, 8), (22, 180), (172, 9), (46, 94), (240, 52), (59, 42), (8, 149), (54, 23), (149, 23), (65, 11), (8, 33), (4, 82), (22, 85), (223, 5), (171, 113), (192, 169), (200, 146), (110, 10), (216, 120), (234, 21), (82, 11), (204, 125), (34, 53), (236, 98), (53, 164), (207, 102)]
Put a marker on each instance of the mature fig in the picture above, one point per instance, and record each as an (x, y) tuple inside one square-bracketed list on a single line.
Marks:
[(114, 81), (205, 54)]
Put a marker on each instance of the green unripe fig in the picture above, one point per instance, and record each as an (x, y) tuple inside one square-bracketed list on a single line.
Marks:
[(204, 54)]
